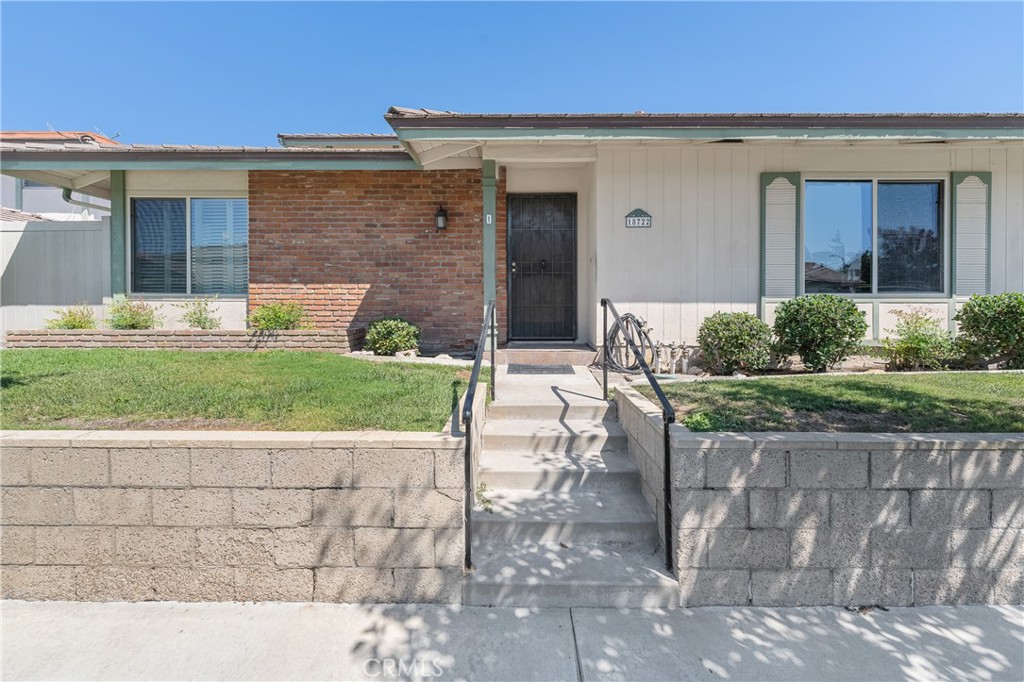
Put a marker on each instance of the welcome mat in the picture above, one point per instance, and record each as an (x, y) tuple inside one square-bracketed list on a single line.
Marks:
[(520, 368)]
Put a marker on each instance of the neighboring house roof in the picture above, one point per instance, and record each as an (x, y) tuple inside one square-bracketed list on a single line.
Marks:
[(77, 137), (198, 152), (13, 214), (339, 140), (402, 117)]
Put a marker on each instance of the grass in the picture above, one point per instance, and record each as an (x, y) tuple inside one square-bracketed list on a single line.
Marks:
[(961, 401), (282, 390)]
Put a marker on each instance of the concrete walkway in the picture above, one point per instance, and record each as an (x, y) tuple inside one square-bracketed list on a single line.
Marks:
[(172, 641)]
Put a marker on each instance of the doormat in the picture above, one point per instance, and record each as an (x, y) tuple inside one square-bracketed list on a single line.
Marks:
[(519, 368)]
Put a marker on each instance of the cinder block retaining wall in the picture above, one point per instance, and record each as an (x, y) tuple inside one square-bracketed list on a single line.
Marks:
[(331, 340), (193, 516), (801, 519)]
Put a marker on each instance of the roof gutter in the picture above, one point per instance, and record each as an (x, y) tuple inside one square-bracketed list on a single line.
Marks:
[(66, 195)]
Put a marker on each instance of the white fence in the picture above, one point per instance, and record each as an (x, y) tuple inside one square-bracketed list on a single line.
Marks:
[(48, 264)]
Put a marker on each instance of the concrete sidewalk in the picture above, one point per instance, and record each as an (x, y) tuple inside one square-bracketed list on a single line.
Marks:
[(173, 641)]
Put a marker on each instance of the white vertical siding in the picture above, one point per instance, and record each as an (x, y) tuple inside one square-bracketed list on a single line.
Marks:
[(703, 252)]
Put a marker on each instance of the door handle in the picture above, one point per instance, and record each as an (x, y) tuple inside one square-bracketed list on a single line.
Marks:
[(513, 268)]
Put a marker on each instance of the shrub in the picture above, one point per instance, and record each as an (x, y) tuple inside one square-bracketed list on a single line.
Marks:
[(823, 329), (735, 341), (391, 335), (918, 342), (992, 328), (277, 316), (197, 314), (127, 313), (701, 421), (73, 317)]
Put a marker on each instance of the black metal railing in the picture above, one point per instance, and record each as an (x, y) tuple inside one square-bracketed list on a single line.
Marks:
[(668, 414), (489, 327)]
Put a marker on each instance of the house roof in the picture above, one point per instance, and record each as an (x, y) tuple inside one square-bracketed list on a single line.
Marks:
[(76, 137), (14, 215), (402, 117)]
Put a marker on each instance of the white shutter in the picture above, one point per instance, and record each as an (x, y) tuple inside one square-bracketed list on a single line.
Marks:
[(970, 232), (779, 228)]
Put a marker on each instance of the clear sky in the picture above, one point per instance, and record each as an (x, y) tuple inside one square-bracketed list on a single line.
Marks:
[(239, 73)]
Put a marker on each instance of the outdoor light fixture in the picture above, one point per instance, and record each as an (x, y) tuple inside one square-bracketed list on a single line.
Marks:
[(441, 218)]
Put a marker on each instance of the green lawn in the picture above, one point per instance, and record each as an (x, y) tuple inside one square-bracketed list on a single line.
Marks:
[(282, 390), (873, 403)]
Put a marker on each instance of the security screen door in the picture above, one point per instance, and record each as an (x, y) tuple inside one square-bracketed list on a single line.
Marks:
[(542, 267)]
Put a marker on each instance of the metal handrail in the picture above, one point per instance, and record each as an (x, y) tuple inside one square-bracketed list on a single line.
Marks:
[(489, 325), (668, 415)]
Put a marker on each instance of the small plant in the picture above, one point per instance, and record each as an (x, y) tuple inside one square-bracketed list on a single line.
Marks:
[(197, 314), (992, 329), (823, 329), (918, 342), (73, 317), (391, 335), (733, 342), (277, 316), (481, 498), (701, 421), (128, 313)]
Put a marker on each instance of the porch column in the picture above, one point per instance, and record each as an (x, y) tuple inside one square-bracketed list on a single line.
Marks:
[(118, 233), (490, 190)]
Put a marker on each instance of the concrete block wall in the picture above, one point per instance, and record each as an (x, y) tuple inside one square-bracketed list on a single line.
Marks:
[(642, 421), (803, 519), (328, 340), (221, 516)]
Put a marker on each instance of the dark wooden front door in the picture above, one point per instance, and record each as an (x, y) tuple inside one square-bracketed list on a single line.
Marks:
[(542, 267)]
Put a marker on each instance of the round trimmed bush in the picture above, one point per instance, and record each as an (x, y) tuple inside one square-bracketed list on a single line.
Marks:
[(823, 329), (992, 328), (391, 335), (733, 342)]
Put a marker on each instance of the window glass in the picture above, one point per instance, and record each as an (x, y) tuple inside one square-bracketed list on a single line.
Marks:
[(909, 237), (837, 237), (158, 246), (220, 259)]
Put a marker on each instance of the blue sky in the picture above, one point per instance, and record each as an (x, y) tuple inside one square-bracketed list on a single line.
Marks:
[(238, 73)]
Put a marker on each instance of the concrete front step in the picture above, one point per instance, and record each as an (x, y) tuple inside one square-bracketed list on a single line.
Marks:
[(541, 575), (558, 472), (595, 410), (577, 517), (545, 435)]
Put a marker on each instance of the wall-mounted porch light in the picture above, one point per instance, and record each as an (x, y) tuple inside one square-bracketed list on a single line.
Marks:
[(441, 218)]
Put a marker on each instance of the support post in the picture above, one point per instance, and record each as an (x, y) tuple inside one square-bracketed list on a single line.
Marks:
[(118, 234), (489, 185)]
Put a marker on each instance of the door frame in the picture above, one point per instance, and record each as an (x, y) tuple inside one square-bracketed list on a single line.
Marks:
[(575, 257)]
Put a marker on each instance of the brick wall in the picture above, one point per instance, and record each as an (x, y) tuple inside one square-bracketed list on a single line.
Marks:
[(811, 519), (226, 516), (352, 246), (335, 341)]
